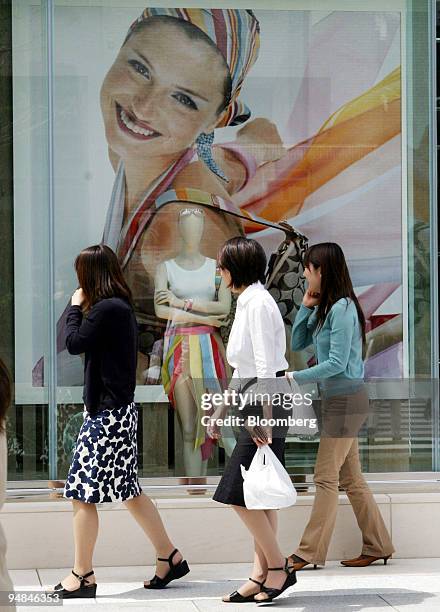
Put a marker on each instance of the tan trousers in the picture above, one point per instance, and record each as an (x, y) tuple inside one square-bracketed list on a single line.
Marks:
[(338, 463)]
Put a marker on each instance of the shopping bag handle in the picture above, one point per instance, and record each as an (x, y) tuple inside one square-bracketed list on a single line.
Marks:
[(262, 454)]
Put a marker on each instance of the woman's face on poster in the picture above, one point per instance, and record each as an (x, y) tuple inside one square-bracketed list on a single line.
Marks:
[(162, 91)]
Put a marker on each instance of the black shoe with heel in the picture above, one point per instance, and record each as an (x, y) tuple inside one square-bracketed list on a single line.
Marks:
[(176, 571), (237, 597), (274, 593), (85, 591)]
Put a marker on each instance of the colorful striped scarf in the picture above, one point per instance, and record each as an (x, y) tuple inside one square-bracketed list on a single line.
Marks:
[(236, 34)]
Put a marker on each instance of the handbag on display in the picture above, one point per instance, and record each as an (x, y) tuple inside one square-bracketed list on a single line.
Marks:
[(266, 484), (284, 275)]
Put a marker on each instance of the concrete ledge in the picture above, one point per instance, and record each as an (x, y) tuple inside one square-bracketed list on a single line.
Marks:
[(39, 534)]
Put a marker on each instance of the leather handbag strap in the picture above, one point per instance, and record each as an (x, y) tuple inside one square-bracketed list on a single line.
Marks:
[(201, 198)]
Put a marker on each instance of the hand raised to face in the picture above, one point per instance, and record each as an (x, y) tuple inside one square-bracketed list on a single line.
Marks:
[(311, 298), (78, 298)]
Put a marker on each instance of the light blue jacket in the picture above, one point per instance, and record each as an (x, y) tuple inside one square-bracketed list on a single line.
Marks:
[(338, 348)]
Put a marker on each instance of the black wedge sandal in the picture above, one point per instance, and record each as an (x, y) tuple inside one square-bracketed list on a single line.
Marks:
[(237, 597), (176, 571), (85, 591), (274, 593)]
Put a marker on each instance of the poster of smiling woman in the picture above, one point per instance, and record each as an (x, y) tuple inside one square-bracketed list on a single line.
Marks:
[(276, 111)]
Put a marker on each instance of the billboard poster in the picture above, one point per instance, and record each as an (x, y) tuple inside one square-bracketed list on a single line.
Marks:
[(168, 123)]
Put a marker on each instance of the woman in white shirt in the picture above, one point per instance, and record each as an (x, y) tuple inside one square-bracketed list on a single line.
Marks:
[(256, 350), (5, 400)]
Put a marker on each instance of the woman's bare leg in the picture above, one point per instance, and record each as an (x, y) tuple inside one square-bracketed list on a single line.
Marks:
[(272, 516), (148, 518), (258, 523), (259, 569), (85, 533)]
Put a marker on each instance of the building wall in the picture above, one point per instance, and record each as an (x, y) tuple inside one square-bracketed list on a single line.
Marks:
[(341, 89)]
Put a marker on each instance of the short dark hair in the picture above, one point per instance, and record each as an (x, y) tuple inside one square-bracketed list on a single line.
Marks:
[(5, 393), (244, 259)]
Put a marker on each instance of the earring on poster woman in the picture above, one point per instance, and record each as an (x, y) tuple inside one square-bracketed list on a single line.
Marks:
[(204, 151)]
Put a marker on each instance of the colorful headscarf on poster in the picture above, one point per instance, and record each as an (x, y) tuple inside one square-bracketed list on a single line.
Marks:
[(236, 34)]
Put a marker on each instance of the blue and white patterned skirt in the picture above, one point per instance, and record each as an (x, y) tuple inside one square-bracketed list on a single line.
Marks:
[(104, 464)]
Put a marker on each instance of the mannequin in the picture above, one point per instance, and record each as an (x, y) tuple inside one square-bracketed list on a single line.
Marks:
[(185, 295)]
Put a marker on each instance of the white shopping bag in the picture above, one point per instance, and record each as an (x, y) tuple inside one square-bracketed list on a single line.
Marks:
[(266, 484)]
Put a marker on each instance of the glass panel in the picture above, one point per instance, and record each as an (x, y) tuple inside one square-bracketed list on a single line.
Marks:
[(422, 409), (419, 192), (23, 234), (28, 449), (6, 197), (332, 146)]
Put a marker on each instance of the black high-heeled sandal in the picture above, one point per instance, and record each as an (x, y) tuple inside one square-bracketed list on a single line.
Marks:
[(176, 571), (274, 593), (237, 597), (85, 591)]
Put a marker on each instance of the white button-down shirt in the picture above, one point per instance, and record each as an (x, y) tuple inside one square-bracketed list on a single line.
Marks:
[(257, 342)]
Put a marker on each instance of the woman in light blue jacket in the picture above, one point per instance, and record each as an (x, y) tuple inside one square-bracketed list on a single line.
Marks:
[(332, 320)]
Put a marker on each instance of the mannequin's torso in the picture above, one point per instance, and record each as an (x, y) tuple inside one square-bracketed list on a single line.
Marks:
[(192, 283)]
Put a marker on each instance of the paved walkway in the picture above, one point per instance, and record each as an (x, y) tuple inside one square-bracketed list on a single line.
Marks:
[(406, 585)]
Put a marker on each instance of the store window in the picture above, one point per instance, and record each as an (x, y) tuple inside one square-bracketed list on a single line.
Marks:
[(330, 129)]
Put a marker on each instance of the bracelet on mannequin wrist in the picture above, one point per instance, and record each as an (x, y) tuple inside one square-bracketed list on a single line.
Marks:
[(187, 304)]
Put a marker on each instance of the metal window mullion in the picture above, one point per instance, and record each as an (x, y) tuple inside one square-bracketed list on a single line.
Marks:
[(434, 236), (52, 353)]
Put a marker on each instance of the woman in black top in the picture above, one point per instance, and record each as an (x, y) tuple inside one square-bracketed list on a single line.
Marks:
[(101, 324)]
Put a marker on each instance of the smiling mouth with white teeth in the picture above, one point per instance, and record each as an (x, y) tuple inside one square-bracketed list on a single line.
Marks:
[(132, 126)]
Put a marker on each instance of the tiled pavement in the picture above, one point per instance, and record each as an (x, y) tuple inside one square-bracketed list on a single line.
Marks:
[(405, 585)]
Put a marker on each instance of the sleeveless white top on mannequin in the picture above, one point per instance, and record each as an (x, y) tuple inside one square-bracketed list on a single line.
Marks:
[(192, 284)]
